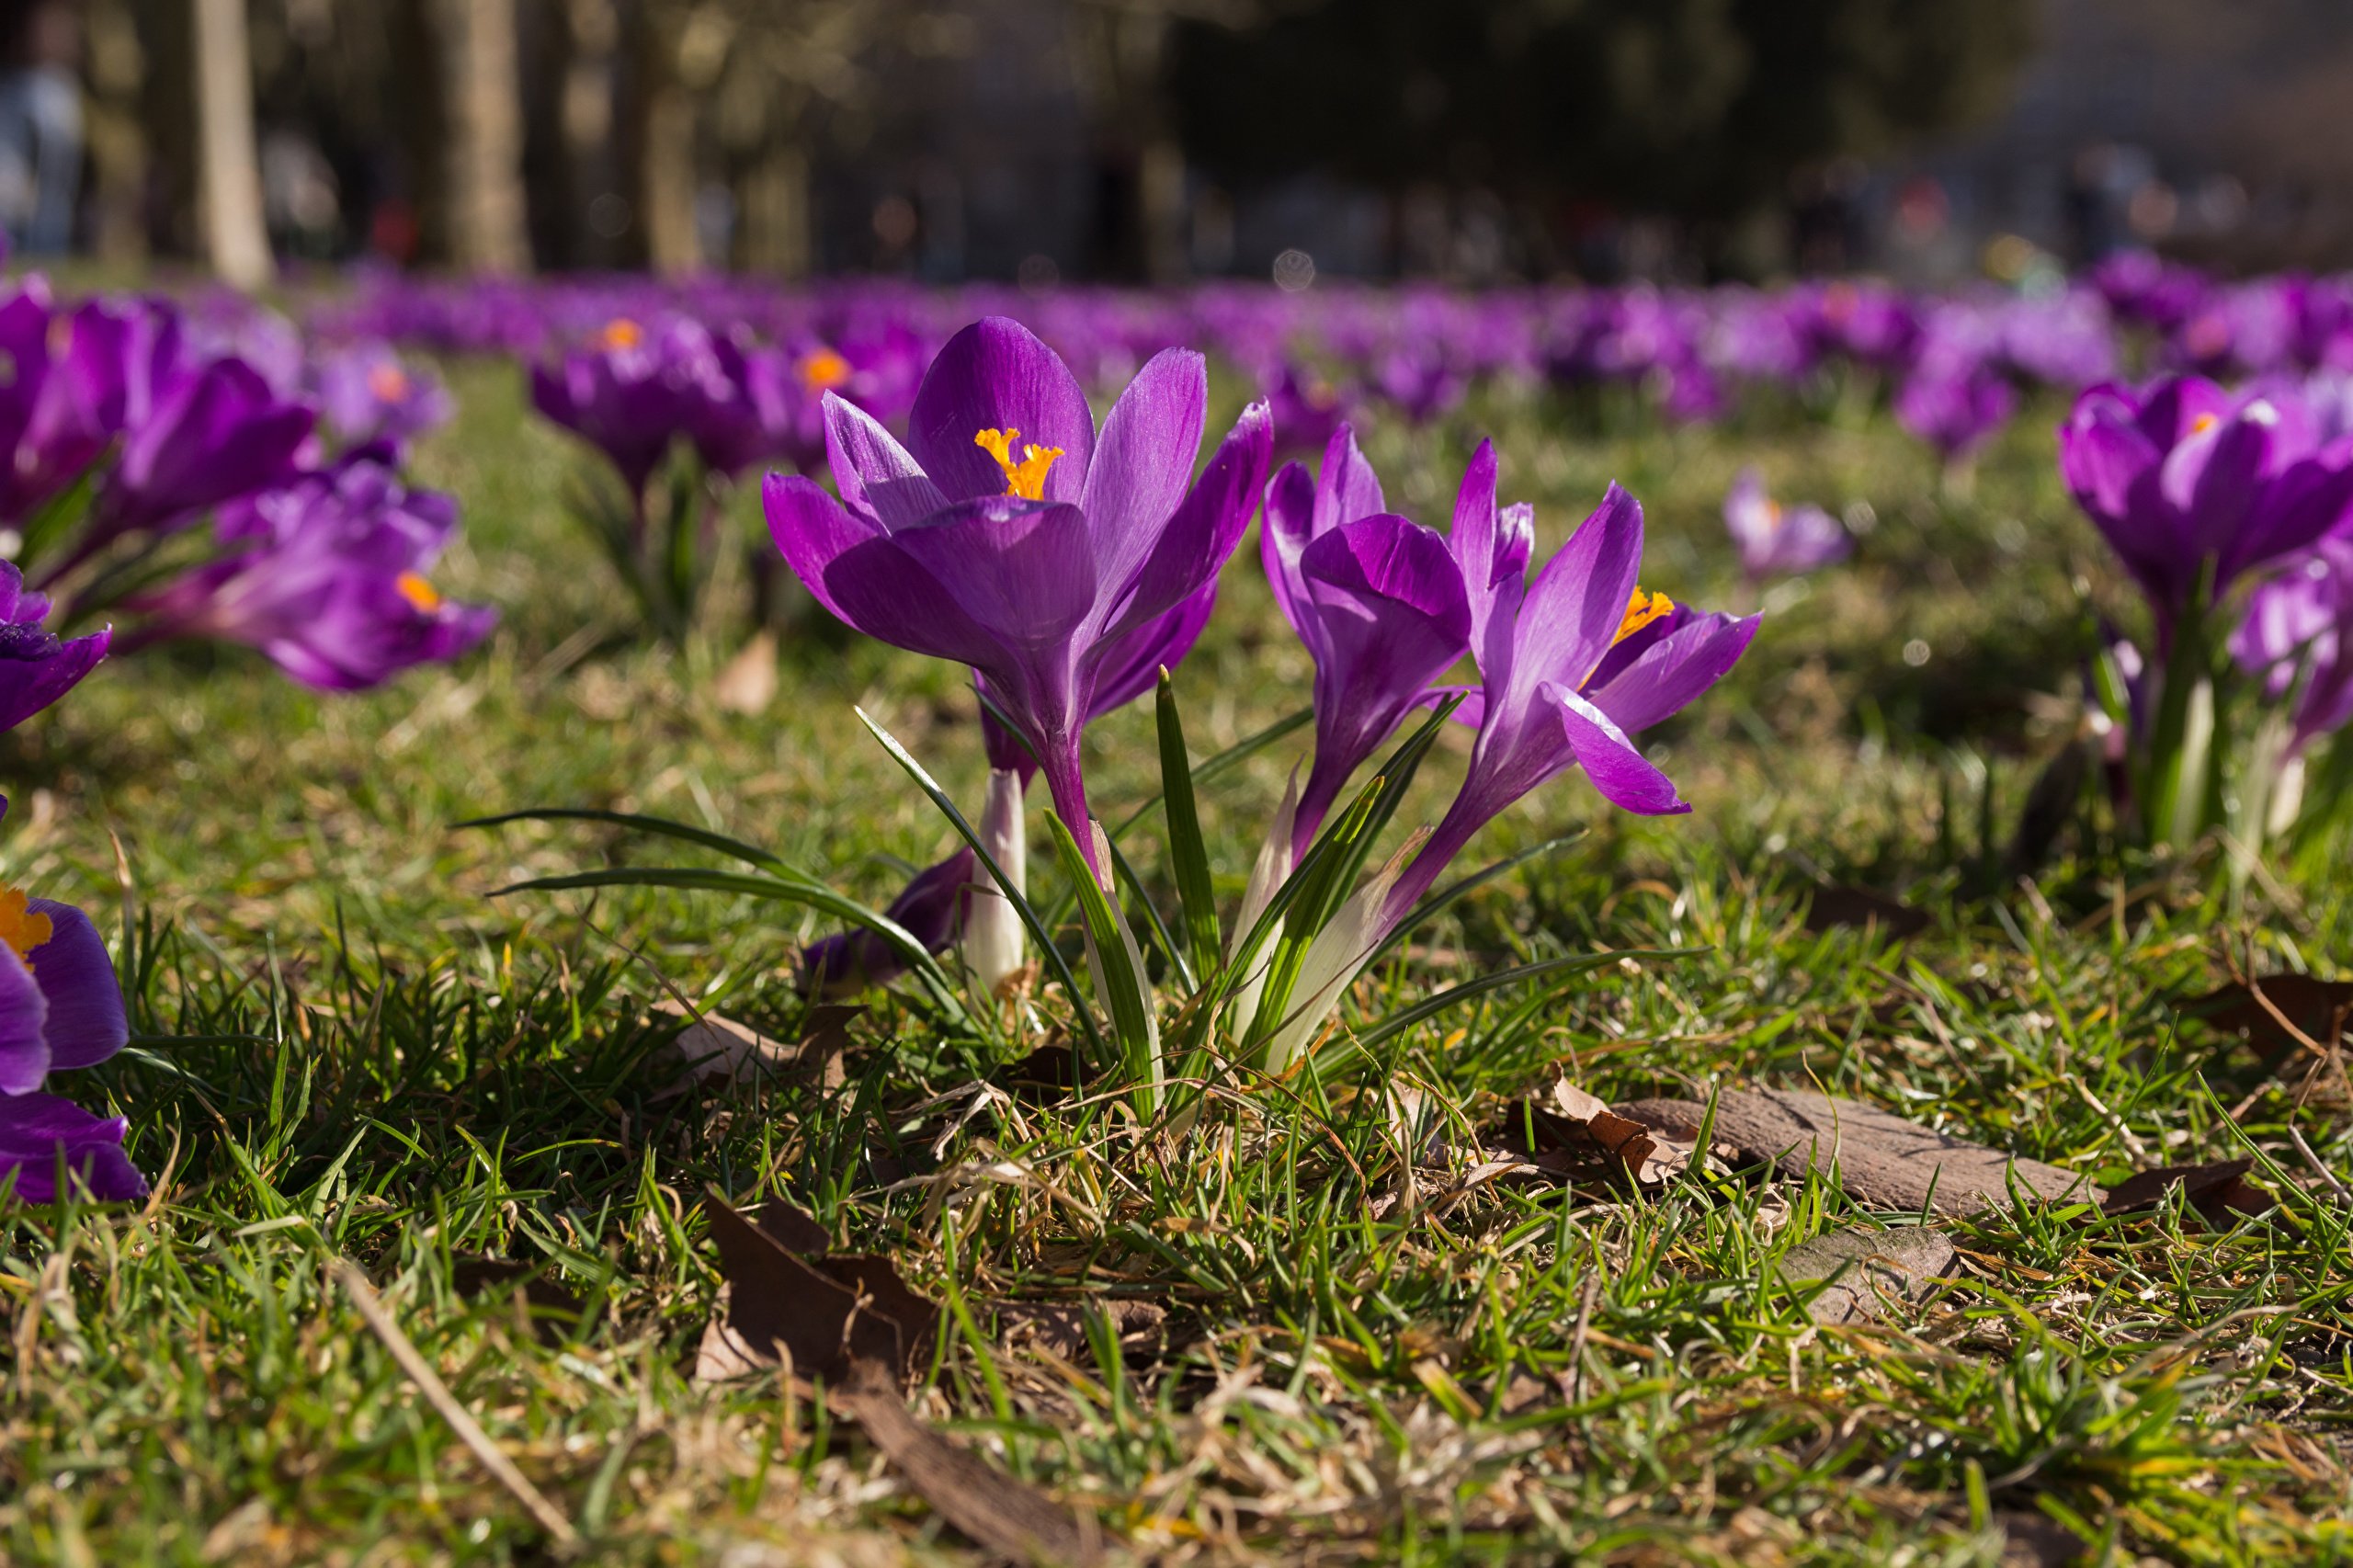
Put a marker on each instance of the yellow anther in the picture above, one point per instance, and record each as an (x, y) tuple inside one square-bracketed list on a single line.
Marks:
[(2203, 422), (387, 383), (1025, 478), (621, 333), (418, 592), (1640, 610), (822, 370), (21, 927)]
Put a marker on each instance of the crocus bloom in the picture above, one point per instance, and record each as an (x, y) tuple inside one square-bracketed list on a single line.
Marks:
[(631, 390), (932, 909), (2183, 474), (1377, 601), (60, 1007), (2300, 625), (193, 438), (1774, 540), (1571, 666), (328, 577), (1955, 411), (367, 394), (36, 666), (1010, 536)]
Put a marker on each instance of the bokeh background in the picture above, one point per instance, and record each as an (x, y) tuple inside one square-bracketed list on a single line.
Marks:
[(1041, 140)]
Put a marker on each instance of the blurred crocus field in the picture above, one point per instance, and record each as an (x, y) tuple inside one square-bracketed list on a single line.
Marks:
[(1218, 829)]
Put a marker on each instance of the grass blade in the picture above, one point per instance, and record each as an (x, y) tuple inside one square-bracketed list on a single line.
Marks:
[(1187, 856)]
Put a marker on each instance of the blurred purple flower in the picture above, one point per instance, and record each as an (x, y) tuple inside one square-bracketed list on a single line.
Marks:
[(1774, 540), (326, 576), (36, 666), (367, 394), (2181, 473)]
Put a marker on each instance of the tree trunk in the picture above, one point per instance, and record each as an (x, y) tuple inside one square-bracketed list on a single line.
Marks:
[(234, 234), (776, 213), (483, 88), (666, 176), (117, 135)]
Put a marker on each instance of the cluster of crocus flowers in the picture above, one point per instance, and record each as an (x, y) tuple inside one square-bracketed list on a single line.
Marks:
[(60, 1006), (125, 431), (1068, 565), (328, 576)]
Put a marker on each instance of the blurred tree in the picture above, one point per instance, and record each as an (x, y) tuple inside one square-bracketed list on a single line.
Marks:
[(235, 241), (1700, 109), (485, 146)]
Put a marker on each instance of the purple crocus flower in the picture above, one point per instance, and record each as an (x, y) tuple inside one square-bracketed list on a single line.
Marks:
[(1571, 666), (629, 392), (1010, 536), (2298, 626), (1377, 601), (2183, 474), (60, 1007), (367, 394), (1956, 409), (1774, 540), (193, 435), (932, 909), (327, 577), (36, 666)]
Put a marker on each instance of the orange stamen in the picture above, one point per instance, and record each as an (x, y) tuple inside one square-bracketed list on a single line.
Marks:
[(387, 383), (620, 333), (1640, 610), (418, 592), (21, 927), (1025, 478), (822, 370)]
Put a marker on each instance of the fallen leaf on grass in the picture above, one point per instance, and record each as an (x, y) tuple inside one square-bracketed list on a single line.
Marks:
[(2319, 1009), (1585, 1130), (549, 1308), (1863, 1273), (1843, 905), (1048, 1075), (1061, 1326), (789, 1294), (1002, 1514), (1882, 1159), (717, 1050), (746, 682), (2219, 1191)]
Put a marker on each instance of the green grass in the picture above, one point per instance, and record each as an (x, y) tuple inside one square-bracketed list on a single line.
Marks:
[(351, 1048)]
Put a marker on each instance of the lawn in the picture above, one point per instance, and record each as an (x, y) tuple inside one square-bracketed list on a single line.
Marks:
[(1369, 1345)]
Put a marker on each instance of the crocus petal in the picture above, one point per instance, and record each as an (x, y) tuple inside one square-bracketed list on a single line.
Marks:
[(1346, 488), (811, 529), (29, 683), (2212, 480), (2303, 504), (1024, 571), (1622, 774), (87, 1024), (997, 375), (36, 1128), (24, 1017), (1212, 521), (875, 476), (1143, 458), (878, 588), (1670, 673), (1577, 603), (1288, 529)]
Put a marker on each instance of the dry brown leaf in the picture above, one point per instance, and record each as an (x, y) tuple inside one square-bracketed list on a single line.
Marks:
[(789, 1294), (746, 682), (549, 1309), (1844, 906), (717, 1050), (1582, 1125), (2319, 1009), (1866, 1272), (2037, 1541), (2218, 1190), (1005, 1515), (1061, 1326), (1882, 1159)]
